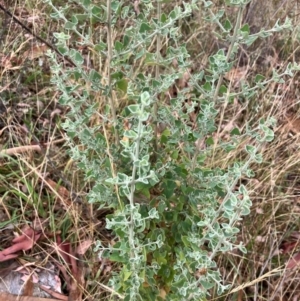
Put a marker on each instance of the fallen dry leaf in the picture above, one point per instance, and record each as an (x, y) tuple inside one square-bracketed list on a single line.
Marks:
[(236, 75), (28, 285), (57, 295), (63, 193), (293, 124), (35, 52), (293, 262), (54, 113), (77, 283), (23, 242), (287, 247), (290, 246), (83, 246), (64, 249)]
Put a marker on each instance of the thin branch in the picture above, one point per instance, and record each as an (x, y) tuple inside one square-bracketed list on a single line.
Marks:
[(155, 106), (7, 12), (109, 57)]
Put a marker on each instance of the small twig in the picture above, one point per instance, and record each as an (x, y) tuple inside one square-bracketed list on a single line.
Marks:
[(26, 148), (7, 12), (155, 106), (19, 149), (109, 57)]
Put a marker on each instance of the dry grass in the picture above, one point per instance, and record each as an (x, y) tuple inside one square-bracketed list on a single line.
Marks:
[(46, 188)]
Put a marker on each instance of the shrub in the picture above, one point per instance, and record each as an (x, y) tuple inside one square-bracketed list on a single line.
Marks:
[(150, 153)]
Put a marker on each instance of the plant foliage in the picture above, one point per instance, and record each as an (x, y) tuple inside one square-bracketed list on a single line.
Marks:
[(173, 209)]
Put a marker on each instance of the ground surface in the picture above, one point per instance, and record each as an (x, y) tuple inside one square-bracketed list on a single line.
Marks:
[(41, 186)]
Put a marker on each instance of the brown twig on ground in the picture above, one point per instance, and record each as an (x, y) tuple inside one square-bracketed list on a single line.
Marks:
[(25, 148), (7, 12)]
